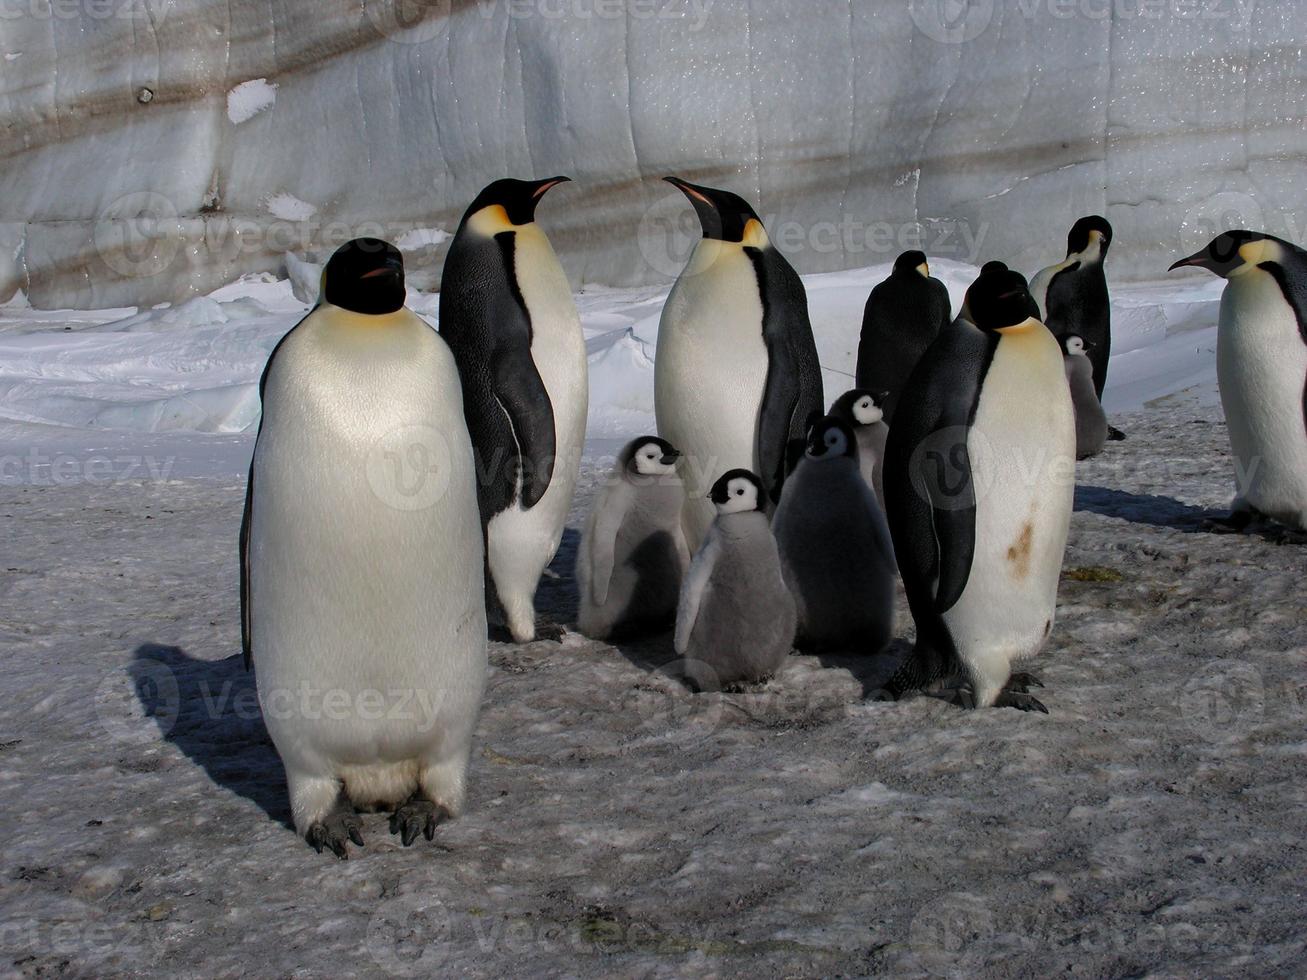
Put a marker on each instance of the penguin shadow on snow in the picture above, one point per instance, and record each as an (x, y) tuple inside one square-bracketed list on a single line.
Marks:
[(214, 718), (1144, 508), (872, 671)]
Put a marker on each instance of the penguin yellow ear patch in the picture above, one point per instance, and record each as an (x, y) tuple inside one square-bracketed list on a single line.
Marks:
[(755, 234)]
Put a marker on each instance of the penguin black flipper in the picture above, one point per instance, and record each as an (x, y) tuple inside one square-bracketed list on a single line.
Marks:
[(509, 415), (929, 495), (792, 397), (1291, 277), (247, 649)]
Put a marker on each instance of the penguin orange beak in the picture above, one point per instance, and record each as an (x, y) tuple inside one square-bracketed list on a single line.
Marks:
[(691, 191), (1199, 260), (545, 186)]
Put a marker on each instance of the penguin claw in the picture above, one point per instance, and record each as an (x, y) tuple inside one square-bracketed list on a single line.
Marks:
[(1020, 701), (332, 831), (551, 632), (1021, 682), (417, 817), (1235, 523), (1114, 434)]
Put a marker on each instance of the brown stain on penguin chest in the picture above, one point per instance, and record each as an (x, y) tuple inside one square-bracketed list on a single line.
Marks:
[(1019, 553)]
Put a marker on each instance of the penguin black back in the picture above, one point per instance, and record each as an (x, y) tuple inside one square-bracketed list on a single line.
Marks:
[(1077, 302), (903, 316)]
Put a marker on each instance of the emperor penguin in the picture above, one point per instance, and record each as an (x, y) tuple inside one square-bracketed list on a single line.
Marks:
[(736, 615), (1091, 422), (1261, 366), (979, 479), (835, 547), (507, 313), (736, 376), (903, 316), (633, 555), (1072, 294), (863, 411), (362, 602)]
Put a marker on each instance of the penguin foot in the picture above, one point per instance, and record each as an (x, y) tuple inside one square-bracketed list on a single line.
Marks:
[(1287, 535), (1021, 682), (1009, 698), (551, 632), (1236, 523), (417, 816), (334, 829), (1114, 434)]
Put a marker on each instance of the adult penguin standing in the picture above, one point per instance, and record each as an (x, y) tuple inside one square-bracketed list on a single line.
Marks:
[(1261, 367), (1072, 294), (736, 377), (361, 560), (507, 312), (903, 316), (979, 483)]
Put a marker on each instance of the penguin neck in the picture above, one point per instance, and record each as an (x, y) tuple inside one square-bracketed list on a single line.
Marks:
[(341, 317), (741, 525), (493, 220)]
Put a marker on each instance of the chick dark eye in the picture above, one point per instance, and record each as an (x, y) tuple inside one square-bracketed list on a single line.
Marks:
[(739, 493)]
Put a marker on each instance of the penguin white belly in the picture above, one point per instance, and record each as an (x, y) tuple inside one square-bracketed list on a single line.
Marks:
[(522, 543), (368, 618), (711, 373), (1261, 364), (1022, 449)]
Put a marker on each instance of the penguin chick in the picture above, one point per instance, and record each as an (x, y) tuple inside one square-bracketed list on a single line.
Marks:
[(1091, 422), (863, 410), (835, 547), (736, 616), (633, 554)]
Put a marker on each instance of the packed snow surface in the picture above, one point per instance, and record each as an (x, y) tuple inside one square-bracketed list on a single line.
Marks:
[(1152, 824)]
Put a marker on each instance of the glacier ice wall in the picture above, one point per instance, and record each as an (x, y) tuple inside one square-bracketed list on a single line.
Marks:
[(154, 149)]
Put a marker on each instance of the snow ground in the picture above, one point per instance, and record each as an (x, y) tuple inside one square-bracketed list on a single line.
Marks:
[(1152, 824)]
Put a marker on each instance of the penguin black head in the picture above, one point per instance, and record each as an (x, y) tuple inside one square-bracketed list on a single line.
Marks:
[(912, 261), (831, 438), (737, 492), (1000, 298), (724, 216), (365, 275), (1083, 232), (860, 406), (518, 198), (649, 456), (1235, 252)]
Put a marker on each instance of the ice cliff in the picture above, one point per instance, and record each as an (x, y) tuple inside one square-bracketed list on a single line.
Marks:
[(154, 149)]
